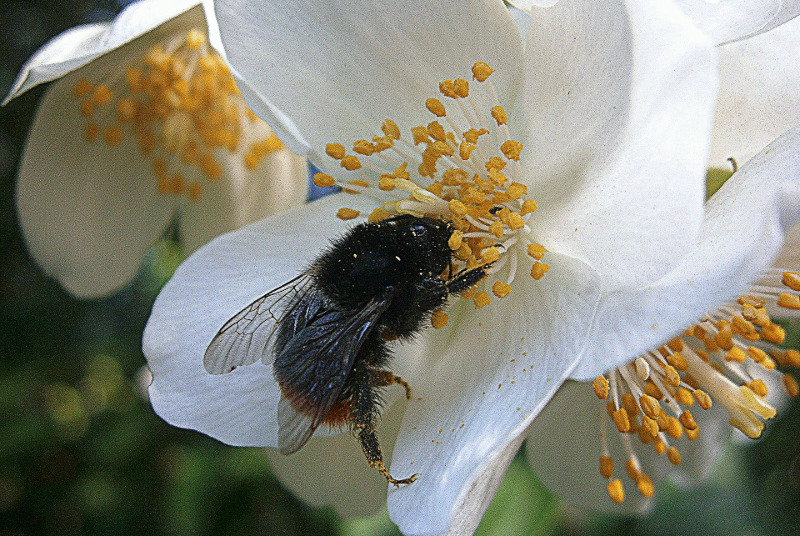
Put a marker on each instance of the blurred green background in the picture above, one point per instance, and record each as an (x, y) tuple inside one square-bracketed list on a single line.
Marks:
[(81, 452)]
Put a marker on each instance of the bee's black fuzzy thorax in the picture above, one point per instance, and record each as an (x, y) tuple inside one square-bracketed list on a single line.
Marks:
[(402, 253)]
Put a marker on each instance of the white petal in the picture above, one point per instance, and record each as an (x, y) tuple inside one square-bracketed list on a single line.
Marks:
[(732, 20), (80, 45), (528, 4), (88, 212), (563, 445), (742, 233), (212, 285), (279, 183), (338, 70), (332, 471), (759, 96), (619, 100), (477, 384)]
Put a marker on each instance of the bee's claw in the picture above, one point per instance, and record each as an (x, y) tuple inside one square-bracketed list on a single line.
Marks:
[(394, 481)]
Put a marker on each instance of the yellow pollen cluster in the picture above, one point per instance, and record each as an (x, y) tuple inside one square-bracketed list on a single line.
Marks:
[(714, 360), (463, 167), (180, 105)]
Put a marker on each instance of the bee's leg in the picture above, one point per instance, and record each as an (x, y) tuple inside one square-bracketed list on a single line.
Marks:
[(465, 279), (363, 415), (385, 378)]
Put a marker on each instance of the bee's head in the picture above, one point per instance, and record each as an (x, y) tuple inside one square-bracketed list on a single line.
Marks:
[(426, 239)]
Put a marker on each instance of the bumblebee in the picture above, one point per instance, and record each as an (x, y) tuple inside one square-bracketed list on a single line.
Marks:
[(325, 332)]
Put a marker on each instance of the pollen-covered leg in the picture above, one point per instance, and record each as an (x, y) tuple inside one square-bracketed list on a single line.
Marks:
[(364, 417), (385, 378), (372, 450)]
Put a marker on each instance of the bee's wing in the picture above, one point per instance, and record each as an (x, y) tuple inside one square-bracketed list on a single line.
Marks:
[(313, 366), (249, 334)]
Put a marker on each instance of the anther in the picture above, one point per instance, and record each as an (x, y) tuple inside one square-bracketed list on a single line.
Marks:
[(347, 214), (642, 368), (323, 180), (703, 400), (461, 88), (528, 206), (687, 420), (455, 240), (791, 280), (501, 289), (538, 270), (499, 115), (439, 319), (335, 150), (512, 149), (436, 107), (791, 385), (481, 71), (481, 299), (616, 491), (350, 162), (391, 129), (606, 466), (789, 301), (650, 406), (601, 388), (620, 417)]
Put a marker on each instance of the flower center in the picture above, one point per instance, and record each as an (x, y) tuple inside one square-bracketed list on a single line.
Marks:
[(462, 167), (181, 106), (724, 358)]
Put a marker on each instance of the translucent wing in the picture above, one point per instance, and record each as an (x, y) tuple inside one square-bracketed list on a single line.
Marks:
[(312, 368), (250, 334)]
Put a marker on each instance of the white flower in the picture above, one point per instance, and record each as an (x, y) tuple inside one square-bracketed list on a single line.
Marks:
[(724, 364), (613, 105), (141, 125), (759, 95)]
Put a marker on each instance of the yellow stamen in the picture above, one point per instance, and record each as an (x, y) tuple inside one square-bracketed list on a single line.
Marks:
[(616, 491), (501, 289), (180, 99), (323, 180), (481, 299), (439, 319), (347, 214), (481, 71), (601, 388), (499, 115), (436, 107), (538, 270)]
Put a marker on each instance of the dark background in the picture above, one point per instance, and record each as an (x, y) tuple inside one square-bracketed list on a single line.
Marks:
[(81, 451)]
